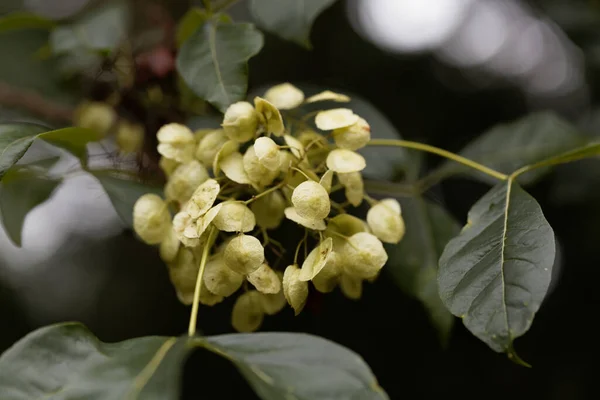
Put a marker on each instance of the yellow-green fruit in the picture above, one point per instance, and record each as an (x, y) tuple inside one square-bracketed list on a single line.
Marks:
[(176, 141), (184, 180), (151, 219), (316, 260), (169, 246), (96, 116), (311, 200), (183, 272), (247, 314), (273, 303), (265, 280), (294, 290), (285, 96), (354, 185), (203, 198), (130, 137), (353, 137), (363, 255), (351, 286), (168, 165), (269, 210), (327, 279), (385, 220), (257, 173), (244, 254), (267, 152), (209, 146), (234, 217), (221, 280), (240, 121)]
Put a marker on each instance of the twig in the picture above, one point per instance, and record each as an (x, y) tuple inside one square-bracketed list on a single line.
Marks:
[(34, 103)]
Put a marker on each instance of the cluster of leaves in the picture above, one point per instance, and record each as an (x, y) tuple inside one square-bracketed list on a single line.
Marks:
[(493, 273)]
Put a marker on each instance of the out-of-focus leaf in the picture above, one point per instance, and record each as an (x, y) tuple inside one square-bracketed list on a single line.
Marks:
[(189, 23), (414, 261), (21, 191), (213, 61), (23, 20), (123, 191), (15, 140), (496, 272), (289, 19), (101, 30), (508, 147)]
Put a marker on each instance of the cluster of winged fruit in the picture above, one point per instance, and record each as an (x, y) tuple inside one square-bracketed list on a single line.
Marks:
[(229, 187)]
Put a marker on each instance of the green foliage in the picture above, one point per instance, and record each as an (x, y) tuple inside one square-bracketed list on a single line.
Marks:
[(23, 20), (495, 273), (15, 139), (213, 61), (21, 190), (414, 262), (123, 191), (100, 30), (188, 24), (66, 361), (508, 147), (289, 19)]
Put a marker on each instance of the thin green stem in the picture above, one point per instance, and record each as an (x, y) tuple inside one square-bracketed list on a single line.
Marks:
[(225, 5), (272, 189), (300, 245), (196, 302), (440, 152)]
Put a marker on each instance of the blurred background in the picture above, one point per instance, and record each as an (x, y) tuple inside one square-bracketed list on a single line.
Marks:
[(442, 72)]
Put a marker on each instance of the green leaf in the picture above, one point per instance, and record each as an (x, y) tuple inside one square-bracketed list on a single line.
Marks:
[(289, 19), (101, 30), (508, 147), (213, 61), (298, 366), (414, 261), (123, 191), (15, 139), (21, 191), (66, 361), (189, 23), (24, 20), (496, 272)]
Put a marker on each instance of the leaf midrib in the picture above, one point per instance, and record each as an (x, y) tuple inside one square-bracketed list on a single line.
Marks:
[(502, 257), (213, 53)]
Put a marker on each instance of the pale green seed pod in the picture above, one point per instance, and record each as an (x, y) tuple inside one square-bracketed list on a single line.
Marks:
[(363, 255), (182, 273), (294, 290), (326, 180), (168, 165), (204, 221), (129, 137), (335, 119), (353, 137), (235, 216), (269, 210), (273, 303), (385, 221), (316, 224), (199, 134), (311, 200), (233, 168), (285, 96), (169, 246), (328, 278), (313, 139), (184, 180), (351, 286), (346, 225), (257, 173), (345, 161), (209, 146), (220, 279), (151, 219), (240, 121), (316, 260), (267, 152), (296, 146), (247, 314), (227, 149), (328, 95), (96, 116), (203, 198), (354, 187), (244, 254), (287, 161), (269, 116), (182, 224), (265, 280), (207, 298), (176, 141)]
